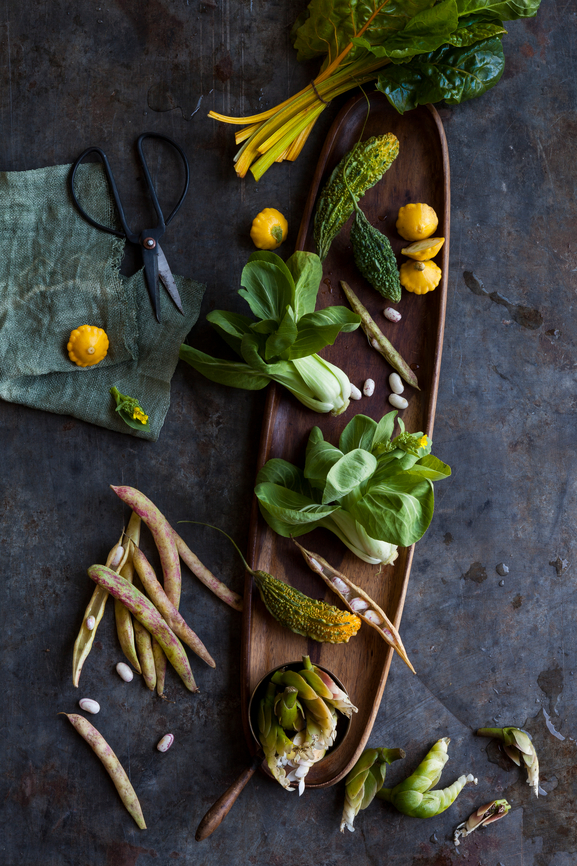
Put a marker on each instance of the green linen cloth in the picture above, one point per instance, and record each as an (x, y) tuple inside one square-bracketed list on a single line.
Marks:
[(59, 272)]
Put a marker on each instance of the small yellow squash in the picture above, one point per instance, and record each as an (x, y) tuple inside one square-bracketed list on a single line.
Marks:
[(422, 251), (420, 277), (87, 345), (269, 229), (416, 221)]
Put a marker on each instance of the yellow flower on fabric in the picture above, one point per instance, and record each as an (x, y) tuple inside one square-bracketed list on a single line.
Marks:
[(423, 441), (139, 415)]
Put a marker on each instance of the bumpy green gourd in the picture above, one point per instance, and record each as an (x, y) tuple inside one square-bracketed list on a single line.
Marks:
[(374, 257), (365, 164), (304, 615)]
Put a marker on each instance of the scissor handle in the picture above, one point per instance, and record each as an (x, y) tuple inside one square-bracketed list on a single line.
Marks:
[(162, 223), (127, 233)]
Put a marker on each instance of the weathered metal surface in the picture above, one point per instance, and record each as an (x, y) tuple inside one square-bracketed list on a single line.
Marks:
[(485, 646)]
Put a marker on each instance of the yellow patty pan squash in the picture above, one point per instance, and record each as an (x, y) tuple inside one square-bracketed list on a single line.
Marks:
[(415, 222), (87, 345), (420, 277), (269, 229)]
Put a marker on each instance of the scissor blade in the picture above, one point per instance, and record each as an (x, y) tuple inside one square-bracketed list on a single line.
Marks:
[(165, 275)]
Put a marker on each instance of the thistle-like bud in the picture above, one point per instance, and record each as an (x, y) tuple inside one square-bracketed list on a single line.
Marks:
[(329, 690), (413, 796), (364, 781), (288, 710), (483, 816), (518, 746)]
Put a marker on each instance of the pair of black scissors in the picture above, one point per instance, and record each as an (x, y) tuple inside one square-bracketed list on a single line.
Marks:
[(155, 264)]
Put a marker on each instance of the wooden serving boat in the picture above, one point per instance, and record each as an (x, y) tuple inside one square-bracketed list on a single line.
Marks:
[(419, 174)]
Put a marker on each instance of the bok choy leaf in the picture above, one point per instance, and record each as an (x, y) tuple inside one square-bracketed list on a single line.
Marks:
[(282, 343), (374, 492)]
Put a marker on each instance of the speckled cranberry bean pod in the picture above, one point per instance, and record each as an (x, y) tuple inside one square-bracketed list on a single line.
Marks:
[(143, 643), (159, 660), (146, 613), (112, 765), (163, 604), (205, 576), (163, 538)]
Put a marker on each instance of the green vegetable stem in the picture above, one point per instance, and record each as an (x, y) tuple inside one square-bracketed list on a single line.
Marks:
[(281, 344), (413, 797), (374, 492)]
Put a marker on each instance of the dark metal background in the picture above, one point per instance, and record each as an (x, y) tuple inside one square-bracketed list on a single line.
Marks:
[(486, 648)]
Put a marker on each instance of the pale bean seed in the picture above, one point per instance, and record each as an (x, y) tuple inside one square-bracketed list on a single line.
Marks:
[(355, 393), (396, 383), (358, 604), (392, 315), (124, 672), (89, 706), (372, 616), (90, 622), (397, 401), (116, 556), (369, 388), (165, 743)]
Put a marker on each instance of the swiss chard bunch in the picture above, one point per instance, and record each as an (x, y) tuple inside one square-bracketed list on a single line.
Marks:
[(282, 342), (374, 492), (419, 50)]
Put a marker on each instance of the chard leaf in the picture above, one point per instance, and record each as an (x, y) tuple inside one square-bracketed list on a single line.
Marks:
[(358, 433), (506, 10), (268, 288), (290, 507), (348, 473), (432, 468), (398, 509), (283, 337), (384, 430), (306, 270), (320, 329), (224, 372), (474, 29), (425, 32), (450, 73), (330, 25)]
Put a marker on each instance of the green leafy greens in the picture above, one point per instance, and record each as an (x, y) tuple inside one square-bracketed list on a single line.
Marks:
[(374, 492), (282, 343)]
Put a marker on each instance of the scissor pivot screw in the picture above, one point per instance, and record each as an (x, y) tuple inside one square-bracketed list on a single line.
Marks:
[(149, 243)]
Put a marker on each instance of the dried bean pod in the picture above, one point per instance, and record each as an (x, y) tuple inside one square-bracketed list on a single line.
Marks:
[(386, 629), (378, 340), (143, 641), (111, 763), (92, 614), (163, 538), (122, 616)]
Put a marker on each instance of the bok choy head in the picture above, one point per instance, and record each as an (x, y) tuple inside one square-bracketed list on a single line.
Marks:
[(282, 341), (373, 491)]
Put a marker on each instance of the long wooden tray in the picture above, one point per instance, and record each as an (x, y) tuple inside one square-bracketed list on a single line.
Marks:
[(419, 174)]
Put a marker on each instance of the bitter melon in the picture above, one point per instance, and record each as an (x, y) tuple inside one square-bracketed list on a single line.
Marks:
[(374, 257), (365, 164), (303, 615)]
